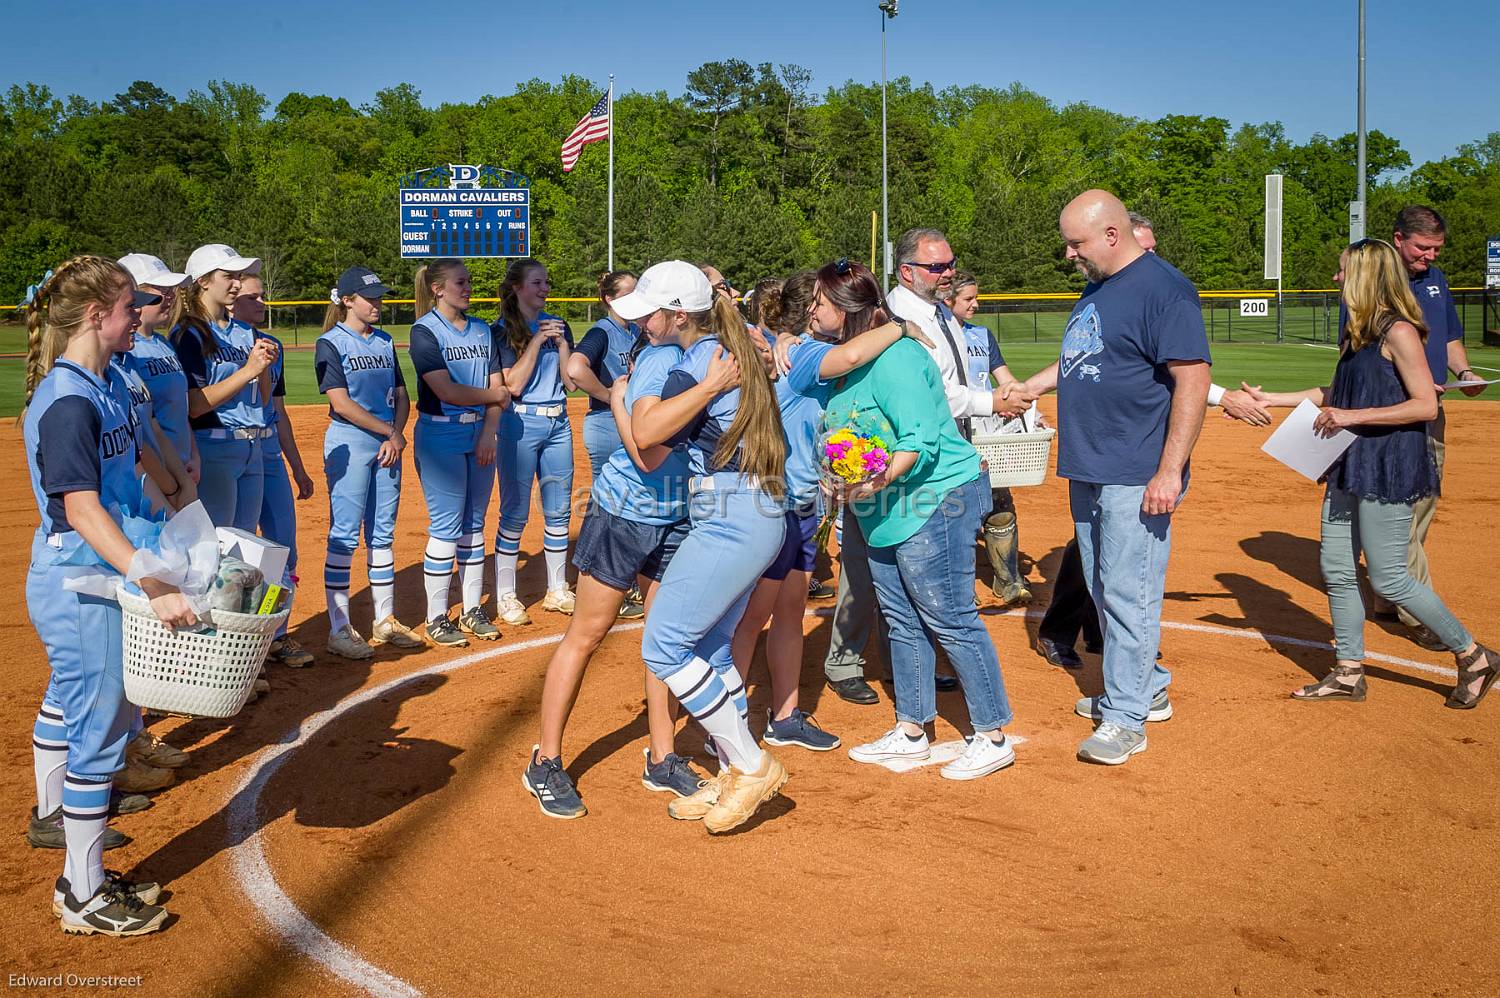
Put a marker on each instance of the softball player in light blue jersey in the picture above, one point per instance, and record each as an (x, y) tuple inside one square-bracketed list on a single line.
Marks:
[(737, 455), (81, 454), (357, 369), (229, 380), (153, 358), (536, 440), (987, 370), (460, 394), (636, 521), (601, 357), (781, 594), (278, 509)]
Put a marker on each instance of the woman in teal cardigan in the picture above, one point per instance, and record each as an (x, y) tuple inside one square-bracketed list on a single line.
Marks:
[(920, 517)]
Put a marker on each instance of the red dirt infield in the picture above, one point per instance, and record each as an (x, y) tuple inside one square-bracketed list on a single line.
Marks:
[(1259, 847)]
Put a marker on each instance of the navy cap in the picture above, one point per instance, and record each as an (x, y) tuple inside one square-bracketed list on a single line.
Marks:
[(360, 281), (140, 299)]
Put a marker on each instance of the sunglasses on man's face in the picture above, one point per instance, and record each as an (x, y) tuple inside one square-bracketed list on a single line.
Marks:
[(936, 269)]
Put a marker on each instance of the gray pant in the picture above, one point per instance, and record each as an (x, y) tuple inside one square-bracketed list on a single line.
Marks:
[(1383, 532), (856, 607)]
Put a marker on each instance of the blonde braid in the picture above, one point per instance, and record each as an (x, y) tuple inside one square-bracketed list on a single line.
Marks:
[(57, 309)]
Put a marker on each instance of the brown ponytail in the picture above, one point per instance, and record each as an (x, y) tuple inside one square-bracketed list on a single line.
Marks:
[(786, 309), (758, 422), (190, 315), (334, 314), (609, 284), (57, 310), (517, 329)]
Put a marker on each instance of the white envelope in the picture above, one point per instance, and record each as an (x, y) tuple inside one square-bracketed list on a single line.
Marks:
[(1296, 445)]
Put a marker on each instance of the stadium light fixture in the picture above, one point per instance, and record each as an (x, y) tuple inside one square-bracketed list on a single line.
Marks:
[(889, 8)]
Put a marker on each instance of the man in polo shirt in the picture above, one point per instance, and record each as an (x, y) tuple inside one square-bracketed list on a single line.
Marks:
[(1420, 233), (1132, 386)]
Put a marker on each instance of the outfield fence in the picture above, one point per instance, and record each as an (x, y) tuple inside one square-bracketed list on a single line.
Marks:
[(1302, 316)]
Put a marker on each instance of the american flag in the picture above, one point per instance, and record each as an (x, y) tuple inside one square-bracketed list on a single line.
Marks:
[(590, 128)]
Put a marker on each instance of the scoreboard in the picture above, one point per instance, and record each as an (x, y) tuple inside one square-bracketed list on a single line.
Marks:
[(467, 221)]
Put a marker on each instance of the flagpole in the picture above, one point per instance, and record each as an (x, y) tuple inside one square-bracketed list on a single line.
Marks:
[(611, 171)]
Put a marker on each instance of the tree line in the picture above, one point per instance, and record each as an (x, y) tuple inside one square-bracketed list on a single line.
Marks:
[(748, 168)]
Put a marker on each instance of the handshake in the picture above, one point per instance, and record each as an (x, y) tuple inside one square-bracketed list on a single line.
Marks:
[(1012, 399)]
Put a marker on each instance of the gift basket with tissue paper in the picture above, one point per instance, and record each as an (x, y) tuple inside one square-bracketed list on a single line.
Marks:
[(1016, 452), (234, 582)]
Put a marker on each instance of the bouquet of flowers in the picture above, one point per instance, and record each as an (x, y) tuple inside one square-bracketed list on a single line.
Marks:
[(851, 451)]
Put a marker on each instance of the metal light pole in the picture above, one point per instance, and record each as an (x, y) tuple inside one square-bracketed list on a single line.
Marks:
[(1355, 236), (888, 9)]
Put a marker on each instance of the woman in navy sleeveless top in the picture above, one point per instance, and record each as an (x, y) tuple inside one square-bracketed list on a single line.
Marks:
[(1382, 392)]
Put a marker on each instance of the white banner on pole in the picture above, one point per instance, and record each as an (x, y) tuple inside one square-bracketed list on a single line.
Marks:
[(1273, 227)]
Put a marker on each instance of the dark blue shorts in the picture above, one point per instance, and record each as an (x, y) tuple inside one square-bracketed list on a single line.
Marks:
[(614, 550), (799, 552)]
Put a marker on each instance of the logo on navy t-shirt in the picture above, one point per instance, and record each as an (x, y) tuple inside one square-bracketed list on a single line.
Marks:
[(1081, 340)]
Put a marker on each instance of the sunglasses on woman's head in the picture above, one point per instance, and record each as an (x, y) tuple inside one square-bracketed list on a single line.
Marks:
[(842, 266)]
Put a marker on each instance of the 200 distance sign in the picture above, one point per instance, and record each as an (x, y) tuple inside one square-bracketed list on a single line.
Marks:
[(474, 222)]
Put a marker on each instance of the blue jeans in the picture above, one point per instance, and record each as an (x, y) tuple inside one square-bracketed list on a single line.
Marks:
[(534, 448), (601, 438), (1124, 554), (926, 584), (232, 482), (735, 533), (1382, 531)]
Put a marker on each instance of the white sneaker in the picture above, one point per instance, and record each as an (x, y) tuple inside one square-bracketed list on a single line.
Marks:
[(509, 609), (346, 643), (893, 746), (560, 600), (1160, 708), (981, 758)]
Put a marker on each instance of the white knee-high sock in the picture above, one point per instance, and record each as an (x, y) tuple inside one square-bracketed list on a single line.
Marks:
[(85, 813), (437, 569), (507, 553), (736, 687), (703, 694), (382, 562), (49, 759), (555, 548), (336, 589), (471, 568)]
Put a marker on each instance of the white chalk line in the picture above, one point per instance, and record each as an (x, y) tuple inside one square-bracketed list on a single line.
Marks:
[(252, 872)]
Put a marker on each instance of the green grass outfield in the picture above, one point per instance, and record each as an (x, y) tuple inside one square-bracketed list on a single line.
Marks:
[(1278, 367)]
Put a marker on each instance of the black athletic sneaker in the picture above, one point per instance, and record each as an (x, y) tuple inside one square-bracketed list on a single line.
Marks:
[(47, 833), (552, 787), (820, 590), (145, 891), (674, 774), (112, 911), (443, 631)]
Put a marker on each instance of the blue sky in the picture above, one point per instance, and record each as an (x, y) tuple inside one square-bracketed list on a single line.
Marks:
[(1431, 78)]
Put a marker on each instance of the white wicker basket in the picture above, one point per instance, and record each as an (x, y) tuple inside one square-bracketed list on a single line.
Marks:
[(180, 672), (1016, 458)]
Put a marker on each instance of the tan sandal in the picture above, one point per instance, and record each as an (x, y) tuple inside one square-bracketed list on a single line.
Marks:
[(1331, 686), (1468, 671)]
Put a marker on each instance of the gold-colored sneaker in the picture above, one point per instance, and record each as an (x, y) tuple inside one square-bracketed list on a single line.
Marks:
[(560, 601), (744, 793), (148, 750), (510, 610), (696, 805), (138, 778), (392, 632)]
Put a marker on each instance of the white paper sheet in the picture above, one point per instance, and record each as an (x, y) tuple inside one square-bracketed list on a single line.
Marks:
[(1296, 445), (1450, 386)]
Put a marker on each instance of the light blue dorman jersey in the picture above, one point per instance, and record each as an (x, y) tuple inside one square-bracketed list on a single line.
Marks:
[(79, 438), (156, 362), (656, 497), (364, 366)]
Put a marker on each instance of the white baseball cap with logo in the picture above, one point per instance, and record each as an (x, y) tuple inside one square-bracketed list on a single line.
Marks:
[(216, 256), (673, 284), (148, 270)]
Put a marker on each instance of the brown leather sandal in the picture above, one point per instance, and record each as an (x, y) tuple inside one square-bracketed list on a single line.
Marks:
[(1330, 687), (1470, 670)]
